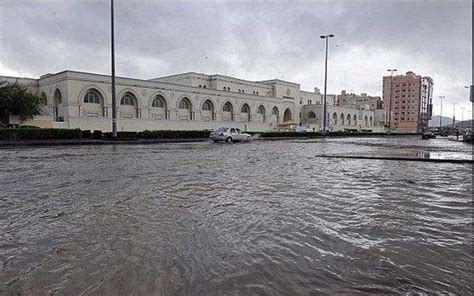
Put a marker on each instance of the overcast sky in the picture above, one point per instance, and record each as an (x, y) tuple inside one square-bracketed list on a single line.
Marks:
[(253, 40)]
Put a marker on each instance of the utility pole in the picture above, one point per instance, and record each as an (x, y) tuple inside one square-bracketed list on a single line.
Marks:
[(441, 112), (390, 104), (454, 116), (325, 81), (462, 117), (114, 103)]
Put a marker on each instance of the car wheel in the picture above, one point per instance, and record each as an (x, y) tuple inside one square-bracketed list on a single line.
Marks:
[(229, 140)]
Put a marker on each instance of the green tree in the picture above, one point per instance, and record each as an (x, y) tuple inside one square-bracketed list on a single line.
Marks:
[(16, 99)]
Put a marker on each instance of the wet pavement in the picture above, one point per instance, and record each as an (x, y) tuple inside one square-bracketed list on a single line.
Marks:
[(267, 217)]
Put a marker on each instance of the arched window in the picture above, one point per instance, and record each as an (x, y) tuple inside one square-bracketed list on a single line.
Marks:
[(128, 100), (227, 107), (207, 106), (287, 115), (92, 97), (185, 104), (365, 120), (245, 109), (43, 99), (370, 120), (261, 110), (311, 115), (159, 102), (342, 118), (355, 119), (348, 119), (334, 118), (275, 111)]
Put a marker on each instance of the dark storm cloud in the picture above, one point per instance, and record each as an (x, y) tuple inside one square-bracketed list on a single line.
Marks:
[(250, 39)]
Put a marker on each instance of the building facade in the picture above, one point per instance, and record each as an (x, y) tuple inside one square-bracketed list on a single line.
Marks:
[(408, 102), (340, 118), (193, 101), (362, 101), (189, 101)]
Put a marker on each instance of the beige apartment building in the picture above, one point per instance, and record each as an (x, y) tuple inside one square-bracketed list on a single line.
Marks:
[(362, 101), (408, 102)]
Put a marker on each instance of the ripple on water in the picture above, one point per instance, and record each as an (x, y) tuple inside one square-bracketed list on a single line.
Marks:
[(260, 218)]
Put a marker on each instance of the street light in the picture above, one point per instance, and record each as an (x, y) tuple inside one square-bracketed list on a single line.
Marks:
[(390, 104), (114, 103), (325, 80), (441, 112), (454, 116)]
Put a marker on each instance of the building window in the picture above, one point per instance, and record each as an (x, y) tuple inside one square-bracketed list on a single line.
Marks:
[(92, 97), (128, 100), (207, 106), (200, 85), (185, 104), (204, 86), (158, 102), (227, 107)]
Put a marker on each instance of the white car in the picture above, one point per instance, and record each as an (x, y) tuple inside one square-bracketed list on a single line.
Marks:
[(229, 134)]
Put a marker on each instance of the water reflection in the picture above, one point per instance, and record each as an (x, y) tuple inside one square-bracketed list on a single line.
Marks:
[(258, 218)]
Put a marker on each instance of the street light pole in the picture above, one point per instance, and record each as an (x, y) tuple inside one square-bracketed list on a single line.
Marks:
[(454, 116), (462, 117), (325, 81), (114, 103), (441, 112), (390, 104)]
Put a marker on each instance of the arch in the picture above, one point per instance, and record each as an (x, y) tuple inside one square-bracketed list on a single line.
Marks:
[(311, 115), (287, 115), (92, 103), (208, 106), (185, 108), (227, 107), (261, 113), (159, 102), (207, 110), (159, 107), (348, 120), (276, 114), (92, 96), (58, 97), (354, 119), (365, 120), (94, 87), (228, 111), (334, 118), (57, 102), (342, 118), (245, 112), (128, 105), (370, 121), (43, 99)]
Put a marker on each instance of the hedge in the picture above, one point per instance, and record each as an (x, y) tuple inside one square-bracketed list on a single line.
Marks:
[(13, 134), (169, 134)]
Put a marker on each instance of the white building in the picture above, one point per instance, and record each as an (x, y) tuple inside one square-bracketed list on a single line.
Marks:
[(189, 101)]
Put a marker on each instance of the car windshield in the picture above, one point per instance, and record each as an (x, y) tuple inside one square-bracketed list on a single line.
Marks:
[(221, 129)]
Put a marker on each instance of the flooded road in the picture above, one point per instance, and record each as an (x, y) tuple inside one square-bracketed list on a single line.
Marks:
[(217, 219)]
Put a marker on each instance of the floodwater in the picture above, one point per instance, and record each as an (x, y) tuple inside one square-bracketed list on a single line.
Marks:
[(263, 218)]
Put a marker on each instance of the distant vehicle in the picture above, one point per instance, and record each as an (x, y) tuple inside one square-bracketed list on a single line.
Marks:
[(303, 129), (468, 136), (229, 134), (428, 135)]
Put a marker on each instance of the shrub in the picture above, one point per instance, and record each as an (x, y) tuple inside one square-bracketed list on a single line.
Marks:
[(14, 134), (97, 135), (87, 134)]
